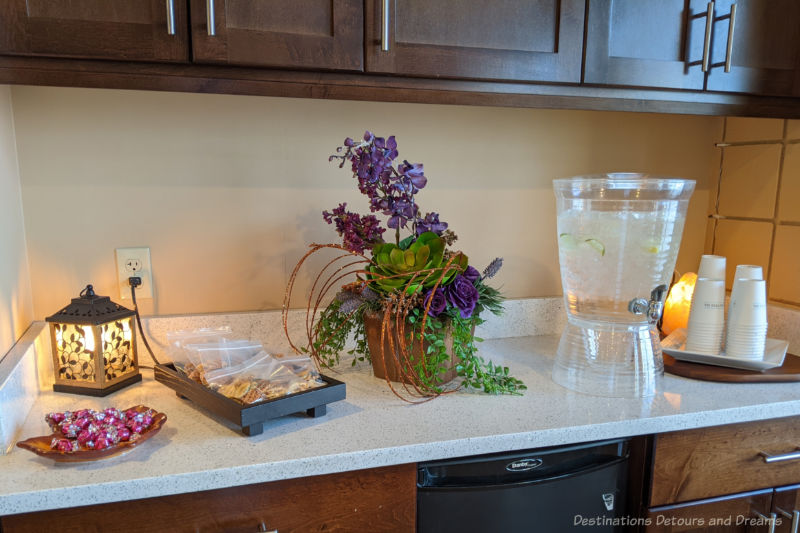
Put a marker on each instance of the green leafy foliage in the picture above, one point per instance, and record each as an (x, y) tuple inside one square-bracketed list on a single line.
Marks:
[(334, 329), (476, 373)]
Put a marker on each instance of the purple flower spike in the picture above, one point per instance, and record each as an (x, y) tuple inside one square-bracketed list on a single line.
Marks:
[(431, 223), (391, 190), (414, 173), (358, 233)]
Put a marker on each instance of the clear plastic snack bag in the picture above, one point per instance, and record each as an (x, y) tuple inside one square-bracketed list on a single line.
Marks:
[(224, 353), (264, 377), (177, 341)]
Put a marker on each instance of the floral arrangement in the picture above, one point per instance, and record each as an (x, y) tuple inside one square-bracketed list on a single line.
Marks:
[(415, 301)]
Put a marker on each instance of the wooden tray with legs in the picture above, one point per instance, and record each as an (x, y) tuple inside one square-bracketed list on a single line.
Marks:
[(251, 417)]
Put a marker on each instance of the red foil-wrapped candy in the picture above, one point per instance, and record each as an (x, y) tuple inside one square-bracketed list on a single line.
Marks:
[(55, 418), (69, 429), (85, 436), (65, 445), (124, 434)]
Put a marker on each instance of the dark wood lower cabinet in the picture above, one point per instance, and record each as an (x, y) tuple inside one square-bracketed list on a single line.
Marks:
[(725, 514), (381, 499)]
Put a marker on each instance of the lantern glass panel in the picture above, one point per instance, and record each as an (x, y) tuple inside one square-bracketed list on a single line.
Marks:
[(117, 348), (74, 352)]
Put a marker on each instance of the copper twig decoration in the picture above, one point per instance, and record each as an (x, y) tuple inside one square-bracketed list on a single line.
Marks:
[(415, 373)]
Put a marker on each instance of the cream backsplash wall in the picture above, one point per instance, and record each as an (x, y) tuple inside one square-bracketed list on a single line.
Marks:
[(16, 303), (227, 190)]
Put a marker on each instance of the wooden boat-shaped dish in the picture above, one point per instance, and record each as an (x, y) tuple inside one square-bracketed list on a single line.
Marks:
[(41, 445)]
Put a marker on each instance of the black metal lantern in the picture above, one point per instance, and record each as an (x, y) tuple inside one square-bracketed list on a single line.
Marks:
[(94, 346)]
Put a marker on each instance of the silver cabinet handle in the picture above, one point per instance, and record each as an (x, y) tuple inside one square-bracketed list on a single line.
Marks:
[(171, 17), (782, 457), (262, 528), (794, 515), (707, 41), (385, 26), (729, 49), (772, 518), (210, 22)]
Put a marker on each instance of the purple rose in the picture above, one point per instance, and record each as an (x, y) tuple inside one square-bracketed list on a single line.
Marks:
[(437, 300), (461, 293), (472, 274)]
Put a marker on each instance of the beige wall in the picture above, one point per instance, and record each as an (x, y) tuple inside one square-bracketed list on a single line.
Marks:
[(16, 305), (227, 190), (756, 200)]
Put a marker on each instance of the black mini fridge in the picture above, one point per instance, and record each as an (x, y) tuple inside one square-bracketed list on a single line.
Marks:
[(579, 487)]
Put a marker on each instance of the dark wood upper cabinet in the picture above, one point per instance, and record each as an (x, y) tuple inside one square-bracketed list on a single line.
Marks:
[(141, 30), (314, 34), (657, 43), (524, 40), (764, 54)]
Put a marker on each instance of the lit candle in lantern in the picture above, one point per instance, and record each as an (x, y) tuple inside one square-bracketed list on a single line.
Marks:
[(679, 300)]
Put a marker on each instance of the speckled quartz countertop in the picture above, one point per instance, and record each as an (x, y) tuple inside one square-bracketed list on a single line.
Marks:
[(371, 428)]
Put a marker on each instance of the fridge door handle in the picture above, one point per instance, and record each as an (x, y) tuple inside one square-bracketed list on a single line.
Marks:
[(521, 483)]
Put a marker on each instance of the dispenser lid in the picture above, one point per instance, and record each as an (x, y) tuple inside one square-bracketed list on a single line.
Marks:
[(624, 186)]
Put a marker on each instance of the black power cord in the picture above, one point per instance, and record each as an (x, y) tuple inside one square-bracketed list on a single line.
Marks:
[(134, 282)]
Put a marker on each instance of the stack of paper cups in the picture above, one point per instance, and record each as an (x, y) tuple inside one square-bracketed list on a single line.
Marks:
[(711, 267), (706, 317), (747, 320)]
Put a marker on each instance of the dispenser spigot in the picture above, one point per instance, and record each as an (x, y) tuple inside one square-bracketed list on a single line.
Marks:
[(652, 307)]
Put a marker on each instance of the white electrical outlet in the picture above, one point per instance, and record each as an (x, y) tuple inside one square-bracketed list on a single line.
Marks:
[(134, 262)]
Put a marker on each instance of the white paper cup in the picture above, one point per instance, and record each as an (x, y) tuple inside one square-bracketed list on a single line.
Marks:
[(708, 302), (709, 346), (706, 317), (748, 272), (745, 272), (748, 350), (746, 334), (712, 267), (748, 306)]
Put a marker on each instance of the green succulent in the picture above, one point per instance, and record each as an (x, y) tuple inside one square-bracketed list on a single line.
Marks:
[(393, 267)]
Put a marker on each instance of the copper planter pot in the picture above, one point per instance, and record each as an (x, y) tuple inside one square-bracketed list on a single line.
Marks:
[(387, 365)]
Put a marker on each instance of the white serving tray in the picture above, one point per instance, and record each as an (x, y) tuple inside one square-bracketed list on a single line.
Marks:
[(774, 354)]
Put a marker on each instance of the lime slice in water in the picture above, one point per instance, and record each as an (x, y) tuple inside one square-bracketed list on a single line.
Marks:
[(597, 245), (651, 246), (568, 242)]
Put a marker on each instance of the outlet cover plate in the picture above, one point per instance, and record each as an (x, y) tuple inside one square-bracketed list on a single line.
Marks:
[(134, 262)]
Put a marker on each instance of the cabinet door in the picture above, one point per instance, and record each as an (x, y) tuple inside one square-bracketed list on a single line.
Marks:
[(527, 40), (786, 506), (319, 34), (374, 500), (739, 512), (142, 30), (657, 43), (764, 52), (706, 462)]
